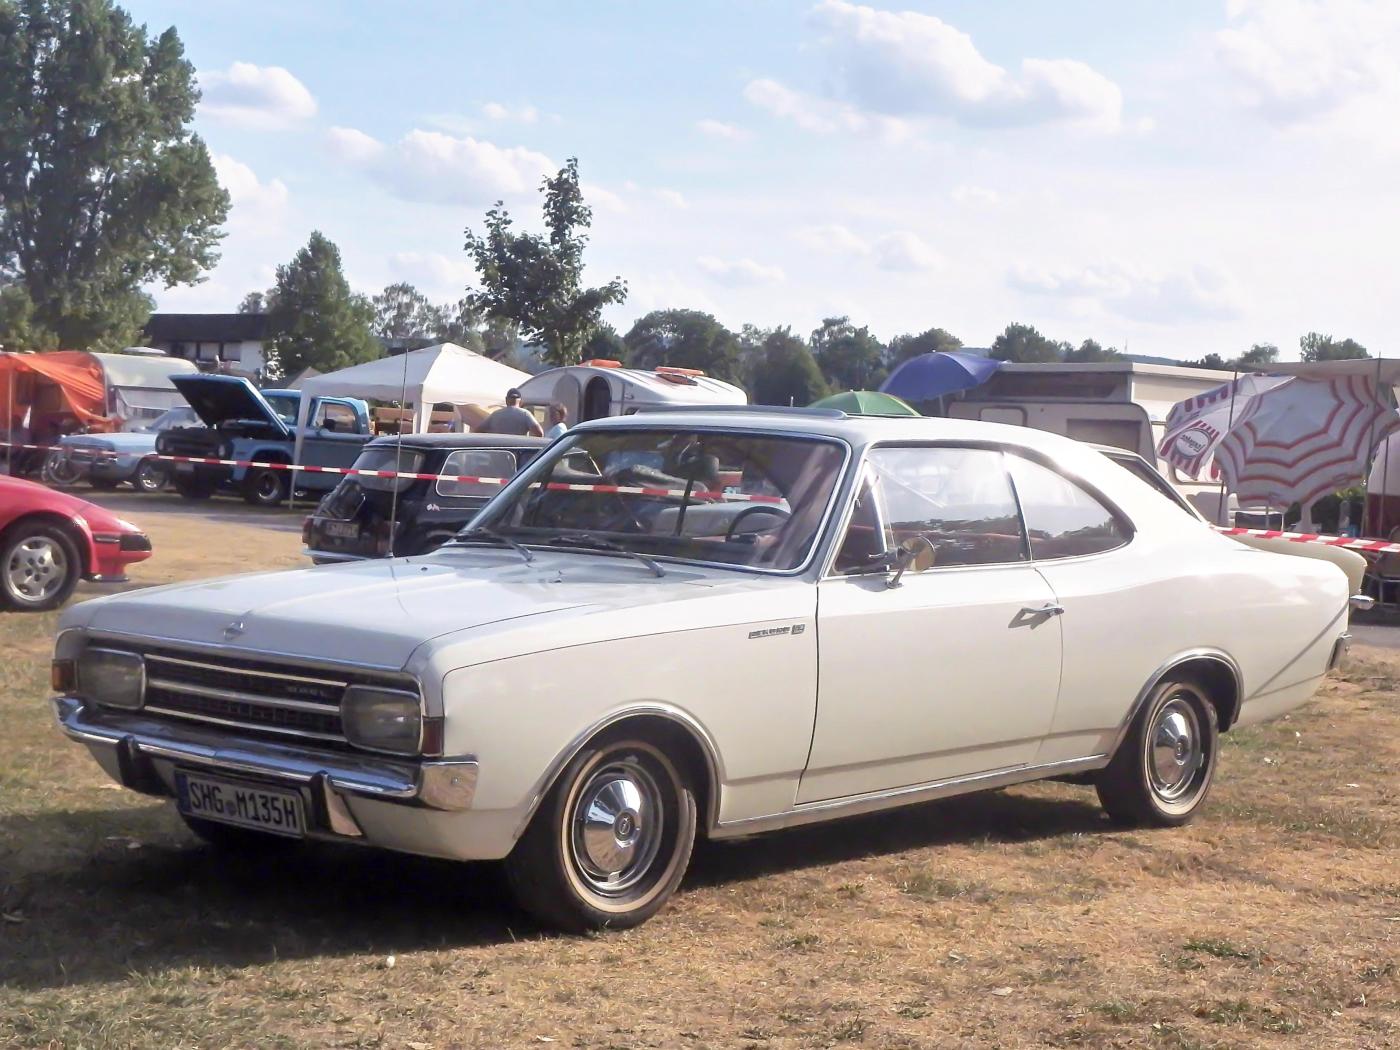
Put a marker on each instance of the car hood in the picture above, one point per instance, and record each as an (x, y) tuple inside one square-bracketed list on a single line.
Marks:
[(119, 442), (379, 612), (219, 398)]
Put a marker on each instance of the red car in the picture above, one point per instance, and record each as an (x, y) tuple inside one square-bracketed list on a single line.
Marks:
[(49, 540)]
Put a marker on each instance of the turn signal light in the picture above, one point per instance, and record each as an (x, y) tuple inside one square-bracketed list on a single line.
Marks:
[(63, 676)]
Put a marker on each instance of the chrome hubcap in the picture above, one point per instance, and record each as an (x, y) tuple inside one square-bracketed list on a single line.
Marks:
[(616, 827), (36, 569), (1176, 751)]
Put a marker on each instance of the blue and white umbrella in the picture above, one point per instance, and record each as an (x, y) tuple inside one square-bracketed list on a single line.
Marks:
[(931, 376)]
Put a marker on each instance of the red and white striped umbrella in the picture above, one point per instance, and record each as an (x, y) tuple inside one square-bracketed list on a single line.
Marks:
[(1196, 426), (1303, 439)]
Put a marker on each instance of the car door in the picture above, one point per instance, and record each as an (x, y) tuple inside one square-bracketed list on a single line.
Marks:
[(1109, 589), (953, 672)]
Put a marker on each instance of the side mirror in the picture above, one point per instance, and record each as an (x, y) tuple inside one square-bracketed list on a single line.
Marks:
[(917, 552)]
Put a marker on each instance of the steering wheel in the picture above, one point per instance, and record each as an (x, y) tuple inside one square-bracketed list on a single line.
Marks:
[(757, 508)]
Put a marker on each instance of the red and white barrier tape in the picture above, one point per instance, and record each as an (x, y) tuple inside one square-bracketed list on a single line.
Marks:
[(1347, 542), (553, 486)]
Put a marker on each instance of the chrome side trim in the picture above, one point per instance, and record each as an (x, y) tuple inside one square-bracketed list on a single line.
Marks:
[(137, 740), (255, 699), (833, 809), (1216, 655), (332, 556), (714, 766)]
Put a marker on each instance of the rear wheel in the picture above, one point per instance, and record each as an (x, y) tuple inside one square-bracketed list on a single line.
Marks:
[(610, 842), (39, 566), (266, 488), (150, 476), (1163, 770)]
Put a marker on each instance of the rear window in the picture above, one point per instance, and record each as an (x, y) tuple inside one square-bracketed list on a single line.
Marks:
[(1062, 519), (387, 457), (477, 463)]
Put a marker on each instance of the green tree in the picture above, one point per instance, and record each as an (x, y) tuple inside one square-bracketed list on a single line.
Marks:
[(1089, 351), (18, 329), (1211, 360), (1318, 347), (254, 303), (315, 319), (605, 345), (1257, 355), (785, 372), (1021, 342), (103, 187), (930, 341), (850, 357), (685, 339), (537, 282)]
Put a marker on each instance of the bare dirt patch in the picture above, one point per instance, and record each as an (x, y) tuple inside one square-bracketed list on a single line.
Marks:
[(1016, 918)]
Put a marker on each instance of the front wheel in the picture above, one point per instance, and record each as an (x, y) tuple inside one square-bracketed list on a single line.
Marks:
[(150, 476), (1163, 769), (610, 842), (266, 488), (39, 567)]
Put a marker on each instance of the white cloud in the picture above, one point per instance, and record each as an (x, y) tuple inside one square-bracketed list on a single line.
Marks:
[(673, 198), (975, 196), (257, 208), (905, 251), (252, 96), (603, 199), (739, 273), (353, 145), (432, 167), (907, 64), (833, 239), (1299, 61), (718, 129), (525, 114), (1198, 293), (438, 276), (821, 115)]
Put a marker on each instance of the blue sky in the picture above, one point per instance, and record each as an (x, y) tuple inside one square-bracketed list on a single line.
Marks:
[(1181, 178)]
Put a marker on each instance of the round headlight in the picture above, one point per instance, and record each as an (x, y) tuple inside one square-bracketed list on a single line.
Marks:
[(112, 678), (382, 719)]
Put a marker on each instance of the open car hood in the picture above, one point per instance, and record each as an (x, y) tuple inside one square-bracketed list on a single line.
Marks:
[(217, 399)]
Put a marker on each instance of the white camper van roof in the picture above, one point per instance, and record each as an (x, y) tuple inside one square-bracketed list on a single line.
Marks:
[(635, 387)]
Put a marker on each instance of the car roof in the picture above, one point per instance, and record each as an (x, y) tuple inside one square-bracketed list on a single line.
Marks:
[(432, 441)]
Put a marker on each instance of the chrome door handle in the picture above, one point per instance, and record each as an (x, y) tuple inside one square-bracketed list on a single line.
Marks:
[(1050, 609)]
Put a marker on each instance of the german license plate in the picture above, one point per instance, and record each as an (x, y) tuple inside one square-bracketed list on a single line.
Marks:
[(343, 530), (247, 805), (184, 468)]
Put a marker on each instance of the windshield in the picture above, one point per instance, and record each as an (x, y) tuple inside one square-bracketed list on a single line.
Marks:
[(747, 499), (173, 417), (284, 404)]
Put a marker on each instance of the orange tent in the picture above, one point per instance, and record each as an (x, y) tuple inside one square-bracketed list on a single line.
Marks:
[(56, 383)]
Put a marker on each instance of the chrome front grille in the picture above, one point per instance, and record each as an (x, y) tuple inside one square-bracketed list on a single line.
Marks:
[(247, 694)]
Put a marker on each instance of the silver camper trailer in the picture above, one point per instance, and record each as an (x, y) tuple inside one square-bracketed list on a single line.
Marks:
[(596, 389)]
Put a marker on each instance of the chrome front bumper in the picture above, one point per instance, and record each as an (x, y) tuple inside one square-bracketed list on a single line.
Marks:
[(142, 753)]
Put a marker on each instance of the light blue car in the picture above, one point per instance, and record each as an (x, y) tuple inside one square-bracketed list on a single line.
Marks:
[(108, 460)]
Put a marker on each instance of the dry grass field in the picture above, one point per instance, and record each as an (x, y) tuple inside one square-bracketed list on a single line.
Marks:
[(1009, 919)]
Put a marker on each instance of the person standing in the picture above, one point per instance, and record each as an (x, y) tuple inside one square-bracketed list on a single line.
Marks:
[(511, 420), (559, 421)]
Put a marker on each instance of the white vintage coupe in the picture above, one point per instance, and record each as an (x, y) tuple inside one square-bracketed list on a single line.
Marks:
[(709, 623)]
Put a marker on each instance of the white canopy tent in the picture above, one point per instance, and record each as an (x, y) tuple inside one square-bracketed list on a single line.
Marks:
[(442, 374)]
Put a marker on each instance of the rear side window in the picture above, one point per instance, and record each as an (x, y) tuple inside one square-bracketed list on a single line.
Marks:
[(959, 499), (477, 463), (1062, 519)]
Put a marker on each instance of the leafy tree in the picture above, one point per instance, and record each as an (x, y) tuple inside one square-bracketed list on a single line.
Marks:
[(1318, 347), (1090, 350), (1021, 342), (785, 372), (850, 357), (254, 303), (1211, 360), (537, 282), (684, 338), (315, 319), (1259, 354), (605, 344), (18, 329), (103, 187), (931, 341)]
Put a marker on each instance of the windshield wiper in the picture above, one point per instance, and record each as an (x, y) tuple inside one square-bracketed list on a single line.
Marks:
[(587, 540), (483, 533)]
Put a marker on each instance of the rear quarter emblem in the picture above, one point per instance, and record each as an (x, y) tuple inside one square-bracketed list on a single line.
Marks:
[(774, 632)]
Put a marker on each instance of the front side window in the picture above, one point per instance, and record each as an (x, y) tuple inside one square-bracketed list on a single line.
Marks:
[(748, 499), (958, 499), (335, 416), (476, 463), (1062, 519)]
